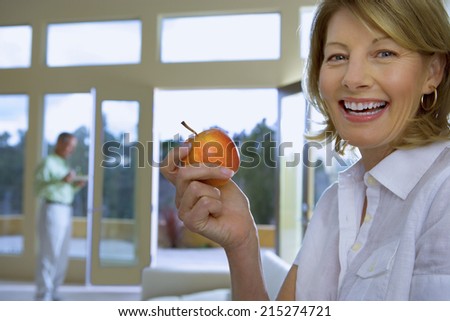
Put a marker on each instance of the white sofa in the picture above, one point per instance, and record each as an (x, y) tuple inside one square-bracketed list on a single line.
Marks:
[(205, 283)]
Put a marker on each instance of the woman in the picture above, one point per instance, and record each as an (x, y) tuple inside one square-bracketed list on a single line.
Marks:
[(379, 73)]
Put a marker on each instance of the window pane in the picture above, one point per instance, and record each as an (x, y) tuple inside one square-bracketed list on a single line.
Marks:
[(291, 133), (94, 43), (306, 19), (118, 228), (15, 46), (221, 38), (72, 113), (13, 128), (249, 116)]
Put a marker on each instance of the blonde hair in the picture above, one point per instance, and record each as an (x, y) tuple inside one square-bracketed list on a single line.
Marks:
[(418, 25)]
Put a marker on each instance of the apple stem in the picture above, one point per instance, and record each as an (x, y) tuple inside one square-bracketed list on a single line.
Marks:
[(187, 126)]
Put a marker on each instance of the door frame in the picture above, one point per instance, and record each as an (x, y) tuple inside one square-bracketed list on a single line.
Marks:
[(97, 274)]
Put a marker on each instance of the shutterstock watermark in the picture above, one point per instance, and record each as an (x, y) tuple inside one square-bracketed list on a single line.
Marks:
[(267, 151)]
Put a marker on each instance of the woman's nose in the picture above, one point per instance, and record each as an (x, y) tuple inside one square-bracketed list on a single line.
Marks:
[(357, 74)]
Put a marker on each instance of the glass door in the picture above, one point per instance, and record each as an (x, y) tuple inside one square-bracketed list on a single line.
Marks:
[(73, 113), (119, 217), (292, 172), (13, 129)]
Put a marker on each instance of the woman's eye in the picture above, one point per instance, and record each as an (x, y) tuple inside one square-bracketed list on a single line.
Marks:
[(386, 54), (336, 58)]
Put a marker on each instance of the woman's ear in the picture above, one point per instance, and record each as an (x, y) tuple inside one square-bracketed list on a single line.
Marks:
[(436, 68)]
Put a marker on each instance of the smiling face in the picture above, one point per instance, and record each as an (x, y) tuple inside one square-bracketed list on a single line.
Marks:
[(370, 84)]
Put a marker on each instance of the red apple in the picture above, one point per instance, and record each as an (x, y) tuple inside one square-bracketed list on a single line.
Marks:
[(214, 148)]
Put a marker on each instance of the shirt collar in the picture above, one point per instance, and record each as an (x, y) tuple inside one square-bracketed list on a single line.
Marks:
[(401, 170), (351, 175)]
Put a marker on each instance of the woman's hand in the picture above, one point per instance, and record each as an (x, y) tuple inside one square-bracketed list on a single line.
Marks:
[(221, 214)]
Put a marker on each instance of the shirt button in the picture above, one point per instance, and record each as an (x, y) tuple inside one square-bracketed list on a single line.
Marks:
[(371, 181), (367, 218), (356, 247)]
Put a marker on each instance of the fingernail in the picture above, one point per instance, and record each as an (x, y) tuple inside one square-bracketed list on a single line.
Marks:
[(226, 171)]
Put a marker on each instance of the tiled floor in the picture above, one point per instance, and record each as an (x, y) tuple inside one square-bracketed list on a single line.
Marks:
[(23, 291)]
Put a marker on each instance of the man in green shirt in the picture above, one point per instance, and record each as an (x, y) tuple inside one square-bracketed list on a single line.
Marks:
[(56, 185)]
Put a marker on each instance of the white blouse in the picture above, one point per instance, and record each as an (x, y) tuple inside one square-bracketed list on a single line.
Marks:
[(402, 249)]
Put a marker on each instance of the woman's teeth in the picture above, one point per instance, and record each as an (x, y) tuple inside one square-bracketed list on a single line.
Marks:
[(363, 107)]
